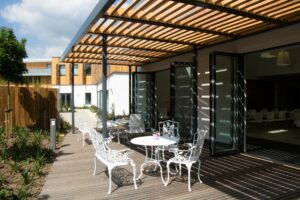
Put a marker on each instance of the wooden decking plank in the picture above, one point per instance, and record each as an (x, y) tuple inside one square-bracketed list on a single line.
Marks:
[(71, 178)]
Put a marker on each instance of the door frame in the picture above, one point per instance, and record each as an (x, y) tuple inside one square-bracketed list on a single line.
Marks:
[(154, 112), (194, 102), (239, 115)]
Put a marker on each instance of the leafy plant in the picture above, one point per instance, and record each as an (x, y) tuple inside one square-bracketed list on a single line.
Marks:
[(39, 161), (93, 108), (15, 166), (3, 192), (3, 153), (23, 192), (22, 135), (37, 137), (65, 126), (25, 176)]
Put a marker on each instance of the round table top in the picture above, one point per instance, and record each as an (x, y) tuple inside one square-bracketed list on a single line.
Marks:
[(151, 141)]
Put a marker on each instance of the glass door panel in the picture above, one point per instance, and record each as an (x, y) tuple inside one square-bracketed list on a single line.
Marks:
[(225, 103), (144, 97), (182, 98)]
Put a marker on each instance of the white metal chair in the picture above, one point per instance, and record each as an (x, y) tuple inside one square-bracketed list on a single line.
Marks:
[(258, 117), (117, 129), (83, 129), (111, 158), (250, 114), (270, 116), (282, 115), (188, 157), (136, 125), (170, 128)]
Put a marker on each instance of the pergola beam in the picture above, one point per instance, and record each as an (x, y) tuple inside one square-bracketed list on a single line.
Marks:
[(145, 38), (109, 59), (167, 25), (133, 48), (96, 13), (116, 54), (202, 4)]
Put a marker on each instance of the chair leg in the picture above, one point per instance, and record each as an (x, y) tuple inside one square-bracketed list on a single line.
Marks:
[(168, 175), (95, 165), (109, 177), (189, 166), (118, 137), (180, 169), (199, 163), (83, 139), (134, 174)]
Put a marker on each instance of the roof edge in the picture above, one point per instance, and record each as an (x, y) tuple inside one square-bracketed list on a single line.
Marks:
[(98, 11), (36, 60)]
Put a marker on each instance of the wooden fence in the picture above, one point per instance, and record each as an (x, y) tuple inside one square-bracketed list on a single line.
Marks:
[(31, 107)]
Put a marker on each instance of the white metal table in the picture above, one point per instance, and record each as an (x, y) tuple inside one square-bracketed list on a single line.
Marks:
[(153, 142)]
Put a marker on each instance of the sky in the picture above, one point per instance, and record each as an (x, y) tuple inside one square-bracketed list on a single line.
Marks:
[(47, 25)]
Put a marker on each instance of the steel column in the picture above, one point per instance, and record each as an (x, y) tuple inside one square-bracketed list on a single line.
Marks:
[(72, 98), (104, 86), (130, 89), (195, 92)]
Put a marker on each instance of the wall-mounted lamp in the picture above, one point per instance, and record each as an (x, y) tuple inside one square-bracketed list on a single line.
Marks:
[(283, 58)]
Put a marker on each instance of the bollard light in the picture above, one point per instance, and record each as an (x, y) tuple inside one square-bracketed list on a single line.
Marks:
[(52, 134)]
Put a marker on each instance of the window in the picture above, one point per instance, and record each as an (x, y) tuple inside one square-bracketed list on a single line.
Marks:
[(38, 79), (87, 69), (29, 79), (65, 101), (48, 65), (88, 98), (75, 69), (62, 70)]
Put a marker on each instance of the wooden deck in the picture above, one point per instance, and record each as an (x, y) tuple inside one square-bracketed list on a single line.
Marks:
[(227, 177)]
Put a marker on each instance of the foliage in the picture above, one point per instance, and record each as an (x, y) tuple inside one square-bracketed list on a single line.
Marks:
[(12, 53), (65, 107), (23, 192), (93, 108), (27, 154), (65, 126)]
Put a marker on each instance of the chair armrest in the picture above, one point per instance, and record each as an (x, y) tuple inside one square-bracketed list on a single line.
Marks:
[(126, 151)]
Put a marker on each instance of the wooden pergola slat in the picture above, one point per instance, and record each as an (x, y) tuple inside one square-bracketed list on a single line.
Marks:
[(153, 30), (232, 11), (165, 25)]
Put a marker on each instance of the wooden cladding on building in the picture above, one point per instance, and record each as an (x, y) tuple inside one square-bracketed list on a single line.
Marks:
[(31, 107), (80, 78), (144, 31)]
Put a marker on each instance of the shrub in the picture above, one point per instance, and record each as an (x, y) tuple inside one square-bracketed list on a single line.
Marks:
[(93, 108)]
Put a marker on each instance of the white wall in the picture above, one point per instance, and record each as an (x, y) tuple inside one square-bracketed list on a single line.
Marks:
[(79, 93), (118, 87), (278, 37)]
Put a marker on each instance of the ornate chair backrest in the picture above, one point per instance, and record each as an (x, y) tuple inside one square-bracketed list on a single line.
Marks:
[(169, 127), (99, 144), (198, 143), (136, 124)]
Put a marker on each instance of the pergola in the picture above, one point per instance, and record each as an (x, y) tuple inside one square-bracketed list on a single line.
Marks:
[(139, 32)]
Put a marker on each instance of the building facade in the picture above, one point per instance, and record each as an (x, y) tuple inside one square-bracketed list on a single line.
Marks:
[(51, 73)]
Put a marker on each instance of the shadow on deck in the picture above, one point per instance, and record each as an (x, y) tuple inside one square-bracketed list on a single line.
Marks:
[(227, 177)]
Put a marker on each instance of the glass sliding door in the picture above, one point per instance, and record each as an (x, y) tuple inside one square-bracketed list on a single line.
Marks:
[(143, 96), (183, 98), (227, 103)]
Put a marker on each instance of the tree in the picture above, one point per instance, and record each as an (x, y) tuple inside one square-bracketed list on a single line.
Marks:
[(12, 67)]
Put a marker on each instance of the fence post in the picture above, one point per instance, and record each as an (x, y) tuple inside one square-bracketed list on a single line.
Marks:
[(52, 134)]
